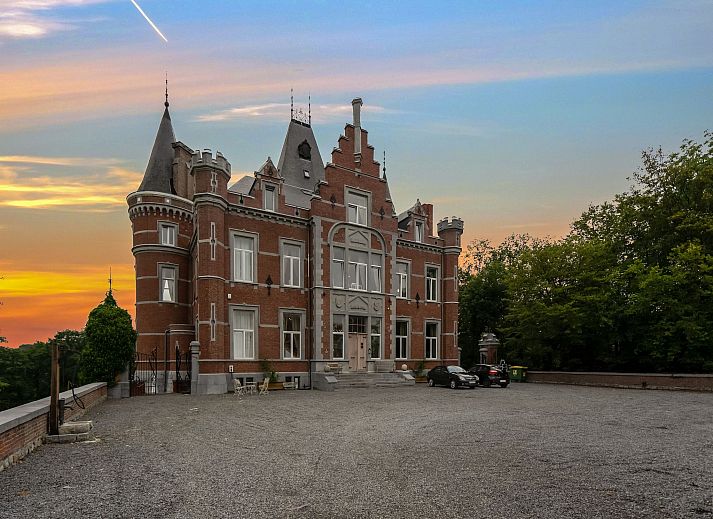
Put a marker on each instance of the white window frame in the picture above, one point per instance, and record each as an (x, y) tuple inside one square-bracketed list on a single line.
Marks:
[(335, 318), (356, 213), (337, 261), (402, 339), (246, 333), (402, 280), (291, 334), (295, 265), (361, 271), (247, 257), (419, 231), (431, 285), (169, 283), (270, 198), (168, 233), (431, 342), (375, 273)]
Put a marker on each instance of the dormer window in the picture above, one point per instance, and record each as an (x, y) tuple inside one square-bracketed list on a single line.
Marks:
[(270, 198), (304, 151), (419, 231)]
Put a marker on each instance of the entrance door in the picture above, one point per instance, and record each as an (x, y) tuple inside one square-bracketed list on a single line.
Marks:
[(357, 351)]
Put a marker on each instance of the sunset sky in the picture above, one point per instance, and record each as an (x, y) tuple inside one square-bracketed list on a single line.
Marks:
[(512, 115)]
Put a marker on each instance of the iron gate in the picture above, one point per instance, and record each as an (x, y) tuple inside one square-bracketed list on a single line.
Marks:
[(182, 382), (142, 376)]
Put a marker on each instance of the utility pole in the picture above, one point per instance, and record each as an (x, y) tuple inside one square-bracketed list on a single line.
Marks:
[(54, 390)]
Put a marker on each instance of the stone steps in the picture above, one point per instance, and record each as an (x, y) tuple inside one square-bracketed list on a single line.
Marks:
[(72, 432), (370, 380)]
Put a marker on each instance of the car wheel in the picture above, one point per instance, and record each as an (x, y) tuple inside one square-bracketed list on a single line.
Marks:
[(453, 384), (431, 383), (504, 385)]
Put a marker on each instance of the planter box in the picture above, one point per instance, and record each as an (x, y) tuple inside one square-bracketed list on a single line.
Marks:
[(421, 380)]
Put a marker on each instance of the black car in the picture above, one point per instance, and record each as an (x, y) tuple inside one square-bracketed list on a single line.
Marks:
[(451, 376), (489, 374)]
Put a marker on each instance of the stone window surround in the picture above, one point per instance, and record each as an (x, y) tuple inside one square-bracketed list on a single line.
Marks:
[(159, 274), (302, 313), (256, 248), (301, 245), (359, 192), (343, 334), (163, 224), (407, 320), (256, 327), (406, 262), (426, 278), (426, 322)]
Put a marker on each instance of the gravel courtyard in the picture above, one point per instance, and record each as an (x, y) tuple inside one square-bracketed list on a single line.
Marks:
[(531, 450)]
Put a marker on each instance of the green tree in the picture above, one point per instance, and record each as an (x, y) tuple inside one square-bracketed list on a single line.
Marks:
[(110, 342)]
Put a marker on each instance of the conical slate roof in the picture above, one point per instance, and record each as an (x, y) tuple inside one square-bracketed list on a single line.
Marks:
[(159, 170)]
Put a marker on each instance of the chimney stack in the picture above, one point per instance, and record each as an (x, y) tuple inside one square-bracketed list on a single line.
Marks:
[(356, 107)]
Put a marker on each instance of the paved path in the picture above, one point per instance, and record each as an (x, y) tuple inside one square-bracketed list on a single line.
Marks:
[(529, 450)]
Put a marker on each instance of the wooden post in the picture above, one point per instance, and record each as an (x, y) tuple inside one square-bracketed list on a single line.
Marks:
[(54, 391)]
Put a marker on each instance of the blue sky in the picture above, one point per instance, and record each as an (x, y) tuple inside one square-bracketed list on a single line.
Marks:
[(512, 115)]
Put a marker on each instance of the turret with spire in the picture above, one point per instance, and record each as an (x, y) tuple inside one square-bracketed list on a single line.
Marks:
[(159, 171)]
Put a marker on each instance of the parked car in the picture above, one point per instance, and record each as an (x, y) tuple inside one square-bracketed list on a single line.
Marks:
[(451, 376), (489, 374)]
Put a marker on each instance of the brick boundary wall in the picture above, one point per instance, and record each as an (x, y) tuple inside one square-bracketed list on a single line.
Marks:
[(625, 380), (23, 428)]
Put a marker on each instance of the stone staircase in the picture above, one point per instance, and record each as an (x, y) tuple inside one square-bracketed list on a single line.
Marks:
[(371, 380)]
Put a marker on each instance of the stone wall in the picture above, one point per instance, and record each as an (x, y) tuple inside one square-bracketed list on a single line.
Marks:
[(625, 380), (23, 428)]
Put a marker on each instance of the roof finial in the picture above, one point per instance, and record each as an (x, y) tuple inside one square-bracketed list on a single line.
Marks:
[(292, 104), (166, 103), (309, 109), (384, 164), (109, 280)]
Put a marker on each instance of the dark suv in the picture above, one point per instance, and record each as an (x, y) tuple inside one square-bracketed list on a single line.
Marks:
[(488, 374)]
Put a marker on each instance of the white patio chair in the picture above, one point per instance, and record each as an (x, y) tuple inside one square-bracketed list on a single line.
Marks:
[(238, 388), (263, 386)]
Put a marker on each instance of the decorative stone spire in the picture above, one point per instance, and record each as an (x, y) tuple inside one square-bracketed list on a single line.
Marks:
[(159, 171)]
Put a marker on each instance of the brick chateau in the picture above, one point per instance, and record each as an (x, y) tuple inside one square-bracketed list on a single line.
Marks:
[(297, 268)]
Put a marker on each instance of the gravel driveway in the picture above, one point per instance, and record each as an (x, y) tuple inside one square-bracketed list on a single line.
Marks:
[(531, 450)]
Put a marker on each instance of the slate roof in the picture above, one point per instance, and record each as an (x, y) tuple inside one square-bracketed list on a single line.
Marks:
[(159, 171), (291, 166)]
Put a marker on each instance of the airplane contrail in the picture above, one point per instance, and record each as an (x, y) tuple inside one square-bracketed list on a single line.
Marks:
[(149, 20)]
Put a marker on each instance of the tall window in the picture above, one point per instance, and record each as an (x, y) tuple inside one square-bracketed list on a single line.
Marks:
[(431, 340), (168, 234), (401, 339), (357, 209), (270, 198), (243, 334), (291, 265), (338, 267), (401, 280), (375, 351), (168, 284), (419, 231), (243, 258), (338, 337), (357, 269), (431, 284), (291, 336), (375, 271)]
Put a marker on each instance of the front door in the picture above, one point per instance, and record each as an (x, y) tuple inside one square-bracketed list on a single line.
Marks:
[(357, 352)]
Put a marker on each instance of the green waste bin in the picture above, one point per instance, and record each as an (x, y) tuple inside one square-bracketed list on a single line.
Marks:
[(518, 373)]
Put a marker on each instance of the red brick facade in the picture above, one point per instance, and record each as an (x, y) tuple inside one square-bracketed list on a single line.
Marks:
[(298, 281)]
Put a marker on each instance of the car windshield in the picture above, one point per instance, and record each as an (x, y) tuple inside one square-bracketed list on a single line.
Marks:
[(455, 369)]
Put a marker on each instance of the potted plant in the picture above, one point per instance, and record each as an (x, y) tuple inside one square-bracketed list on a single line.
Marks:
[(419, 371), (269, 373)]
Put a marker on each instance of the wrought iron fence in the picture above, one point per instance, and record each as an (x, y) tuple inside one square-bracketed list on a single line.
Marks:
[(142, 375)]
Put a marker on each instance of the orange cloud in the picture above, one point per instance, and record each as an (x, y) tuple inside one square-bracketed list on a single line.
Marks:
[(38, 303), (19, 184)]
